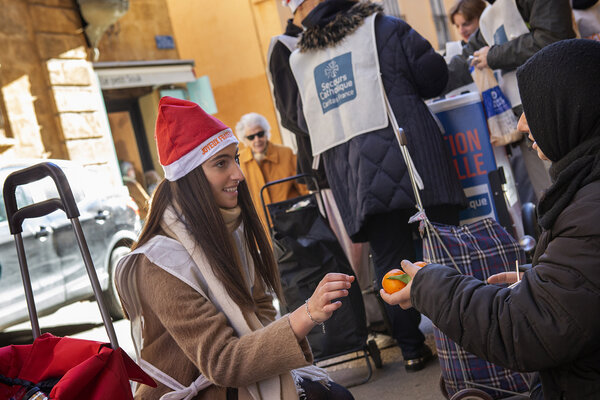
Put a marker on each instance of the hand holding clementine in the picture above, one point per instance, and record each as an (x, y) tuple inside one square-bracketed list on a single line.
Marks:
[(396, 279)]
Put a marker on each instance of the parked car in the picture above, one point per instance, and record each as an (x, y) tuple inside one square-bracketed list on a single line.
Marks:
[(110, 222)]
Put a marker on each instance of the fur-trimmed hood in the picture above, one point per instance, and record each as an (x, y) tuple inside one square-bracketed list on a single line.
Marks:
[(331, 21)]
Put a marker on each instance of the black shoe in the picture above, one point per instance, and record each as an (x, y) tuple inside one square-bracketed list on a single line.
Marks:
[(417, 364)]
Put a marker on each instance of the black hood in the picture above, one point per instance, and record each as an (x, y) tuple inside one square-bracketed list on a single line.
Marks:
[(560, 92), (560, 88), (331, 21)]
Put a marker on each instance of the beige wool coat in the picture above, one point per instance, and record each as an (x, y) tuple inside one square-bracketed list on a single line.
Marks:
[(185, 334)]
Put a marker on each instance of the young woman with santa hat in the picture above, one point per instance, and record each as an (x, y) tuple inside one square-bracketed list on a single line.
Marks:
[(197, 285)]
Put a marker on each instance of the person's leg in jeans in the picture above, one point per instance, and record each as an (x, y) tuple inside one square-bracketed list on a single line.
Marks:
[(391, 241)]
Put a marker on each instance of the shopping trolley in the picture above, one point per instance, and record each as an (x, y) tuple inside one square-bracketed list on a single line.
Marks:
[(61, 367), (306, 249), (464, 375)]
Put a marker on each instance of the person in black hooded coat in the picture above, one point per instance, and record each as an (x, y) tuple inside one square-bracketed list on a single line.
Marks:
[(550, 321)]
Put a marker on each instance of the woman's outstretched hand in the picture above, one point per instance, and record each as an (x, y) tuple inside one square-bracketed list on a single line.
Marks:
[(321, 305), (402, 297)]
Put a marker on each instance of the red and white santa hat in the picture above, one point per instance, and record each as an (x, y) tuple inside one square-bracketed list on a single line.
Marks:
[(186, 136), (292, 4)]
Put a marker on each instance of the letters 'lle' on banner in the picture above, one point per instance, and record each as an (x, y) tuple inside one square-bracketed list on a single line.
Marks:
[(467, 138)]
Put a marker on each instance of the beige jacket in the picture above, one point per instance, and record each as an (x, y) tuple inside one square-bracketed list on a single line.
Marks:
[(184, 335)]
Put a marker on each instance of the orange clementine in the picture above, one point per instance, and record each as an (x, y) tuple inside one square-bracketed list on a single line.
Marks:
[(391, 285), (394, 279)]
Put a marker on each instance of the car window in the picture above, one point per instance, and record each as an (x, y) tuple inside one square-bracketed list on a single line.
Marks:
[(84, 182), (87, 184), (49, 190)]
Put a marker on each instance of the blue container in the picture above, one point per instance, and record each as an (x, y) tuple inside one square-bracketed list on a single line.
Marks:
[(468, 140)]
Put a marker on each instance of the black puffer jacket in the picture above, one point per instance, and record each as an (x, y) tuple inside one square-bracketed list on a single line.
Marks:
[(367, 174), (550, 322)]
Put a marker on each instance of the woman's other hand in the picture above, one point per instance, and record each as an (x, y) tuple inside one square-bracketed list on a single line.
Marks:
[(402, 297), (321, 305)]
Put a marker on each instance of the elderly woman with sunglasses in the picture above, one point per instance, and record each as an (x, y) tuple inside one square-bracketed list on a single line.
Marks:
[(263, 161)]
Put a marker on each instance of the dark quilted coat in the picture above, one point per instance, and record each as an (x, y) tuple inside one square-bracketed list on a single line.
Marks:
[(367, 174)]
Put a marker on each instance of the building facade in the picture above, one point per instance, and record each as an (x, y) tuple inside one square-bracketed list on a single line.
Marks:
[(81, 79)]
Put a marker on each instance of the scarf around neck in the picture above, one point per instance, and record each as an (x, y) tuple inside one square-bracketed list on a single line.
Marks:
[(578, 168), (559, 87), (231, 216)]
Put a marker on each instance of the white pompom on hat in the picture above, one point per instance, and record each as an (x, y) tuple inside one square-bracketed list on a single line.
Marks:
[(186, 136), (292, 4)]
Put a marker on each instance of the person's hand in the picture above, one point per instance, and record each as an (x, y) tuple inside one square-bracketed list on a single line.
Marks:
[(503, 277), (480, 58), (321, 304), (402, 297)]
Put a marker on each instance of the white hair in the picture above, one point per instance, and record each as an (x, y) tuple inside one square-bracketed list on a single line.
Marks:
[(249, 121)]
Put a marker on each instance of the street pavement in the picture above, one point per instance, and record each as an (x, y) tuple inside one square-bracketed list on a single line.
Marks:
[(82, 320)]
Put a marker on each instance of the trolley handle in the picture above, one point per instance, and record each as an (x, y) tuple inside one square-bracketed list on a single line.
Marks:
[(67, 204), (289, 178), (34, 173)]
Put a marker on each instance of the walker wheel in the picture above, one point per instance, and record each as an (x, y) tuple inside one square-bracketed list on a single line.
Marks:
[(471, 394)]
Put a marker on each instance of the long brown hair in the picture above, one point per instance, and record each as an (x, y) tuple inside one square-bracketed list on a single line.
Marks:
[(201, 216)]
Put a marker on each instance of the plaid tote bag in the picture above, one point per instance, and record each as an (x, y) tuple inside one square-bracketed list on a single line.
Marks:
[(479, 249)]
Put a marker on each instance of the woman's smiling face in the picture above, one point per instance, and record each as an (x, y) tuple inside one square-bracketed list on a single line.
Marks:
[(224, 175)]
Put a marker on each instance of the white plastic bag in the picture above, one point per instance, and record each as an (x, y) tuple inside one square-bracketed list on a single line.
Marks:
[(502, 122)]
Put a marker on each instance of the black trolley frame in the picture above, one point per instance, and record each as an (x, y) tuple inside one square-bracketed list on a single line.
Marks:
[(66, 202), (369, 347)]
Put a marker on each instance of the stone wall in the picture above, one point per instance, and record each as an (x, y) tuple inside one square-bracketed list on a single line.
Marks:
[(52, 101), (132, 38)]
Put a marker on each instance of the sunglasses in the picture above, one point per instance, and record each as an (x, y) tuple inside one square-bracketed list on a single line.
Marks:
[(257, 134)]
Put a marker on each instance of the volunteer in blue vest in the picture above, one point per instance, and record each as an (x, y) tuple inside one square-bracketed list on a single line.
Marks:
[(197, 286), (348, 55)]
